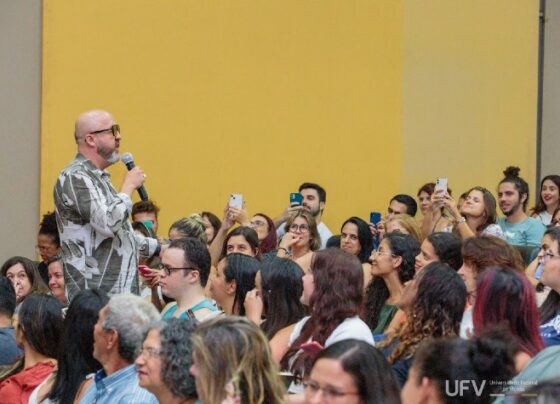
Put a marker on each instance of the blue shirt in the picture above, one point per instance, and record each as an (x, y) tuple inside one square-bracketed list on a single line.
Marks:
[(529, 232), (9, 351), (120, 387), (550, 331)]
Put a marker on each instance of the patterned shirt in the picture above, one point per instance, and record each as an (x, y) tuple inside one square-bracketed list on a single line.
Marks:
[(99, 247), (120, 387)]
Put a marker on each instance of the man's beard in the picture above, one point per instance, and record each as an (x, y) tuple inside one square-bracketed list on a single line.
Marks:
[(315, 212), (512, 210), (110, 156)]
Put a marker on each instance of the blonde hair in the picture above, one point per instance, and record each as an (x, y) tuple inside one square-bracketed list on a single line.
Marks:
[(192, 226), (315, 238), (408, 223), (232, 351)]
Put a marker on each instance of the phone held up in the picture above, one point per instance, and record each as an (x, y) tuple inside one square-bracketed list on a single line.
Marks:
[(441, 186), (296, 199), (375, 217), (236, 201)]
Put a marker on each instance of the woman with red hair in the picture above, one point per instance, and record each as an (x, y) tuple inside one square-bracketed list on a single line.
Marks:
[(505, 295)]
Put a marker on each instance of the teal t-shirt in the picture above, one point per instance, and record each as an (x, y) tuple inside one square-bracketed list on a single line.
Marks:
[(526, 233)]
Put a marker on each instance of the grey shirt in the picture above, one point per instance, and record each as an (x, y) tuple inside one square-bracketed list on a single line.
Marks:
[(99, 247)]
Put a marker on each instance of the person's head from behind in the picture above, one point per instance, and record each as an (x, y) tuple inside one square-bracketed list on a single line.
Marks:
[(480, 204), (40, 324), (120, 328), (242, 240), (441, 365), (424, 194), (314, 198), (7, 299), (266, 232), (440, 247), (212, 223), (75, 359), (351, 371), (233, 278), (513, 192), (480, 253), (165, 359), (56, 278), (23, 274), (280, 284), (231, 357), (185, 265), (505, 295), (401, 203), (146, 212), (192, 226), (405, 224), (304, 227), (48, 240), (356, 238)]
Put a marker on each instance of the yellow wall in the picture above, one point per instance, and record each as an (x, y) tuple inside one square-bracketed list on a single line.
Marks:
[(469, 91), (215, 97), (368, 98)]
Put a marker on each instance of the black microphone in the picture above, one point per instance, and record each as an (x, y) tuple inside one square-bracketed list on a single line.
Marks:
[(129, 163)]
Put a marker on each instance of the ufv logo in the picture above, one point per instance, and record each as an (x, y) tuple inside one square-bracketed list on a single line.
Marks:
[(460, 386)]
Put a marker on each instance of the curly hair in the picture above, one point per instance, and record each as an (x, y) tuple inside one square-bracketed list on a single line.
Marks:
[(377, 293), (49, 228), (436, 311), (176, 356), (338, 283)]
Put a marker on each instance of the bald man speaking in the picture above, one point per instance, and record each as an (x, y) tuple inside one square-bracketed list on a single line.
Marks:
[(99, 247)]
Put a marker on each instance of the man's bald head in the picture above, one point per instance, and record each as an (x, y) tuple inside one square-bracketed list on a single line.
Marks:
[(91, 121)]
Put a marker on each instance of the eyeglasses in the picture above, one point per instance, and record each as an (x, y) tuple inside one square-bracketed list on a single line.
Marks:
[(114, 129), (303, 228), (149, 353), (378, 252), (257, 223), (329, 393), (167, 270), (547, 256)]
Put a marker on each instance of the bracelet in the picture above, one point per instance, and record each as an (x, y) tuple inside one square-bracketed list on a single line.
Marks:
[(461, 220), (285, 250)]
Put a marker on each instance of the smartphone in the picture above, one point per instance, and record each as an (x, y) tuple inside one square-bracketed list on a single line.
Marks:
[(236, 201), (441, 186), (145, 271), (296, 199), (374, 217)]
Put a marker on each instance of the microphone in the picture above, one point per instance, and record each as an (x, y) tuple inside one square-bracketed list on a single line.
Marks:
[(129, 163)]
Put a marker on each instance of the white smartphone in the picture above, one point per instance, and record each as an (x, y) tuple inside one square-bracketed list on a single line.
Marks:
[(236, 201), (441, 186)]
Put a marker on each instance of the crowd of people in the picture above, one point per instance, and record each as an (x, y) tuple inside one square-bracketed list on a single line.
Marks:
[(452, 305)]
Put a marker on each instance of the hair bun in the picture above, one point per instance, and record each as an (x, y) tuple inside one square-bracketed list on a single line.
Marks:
[(512, 172)]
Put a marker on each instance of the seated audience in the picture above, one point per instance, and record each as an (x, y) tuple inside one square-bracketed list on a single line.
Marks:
[(441, 365), (353, 372), (23, 274), (440, 247), (185, 267), (505, 295), (232, 363), (232, 279), (356, 239), (513, 194), (333, 290), (392, 265), (300, 240), (277, 294), (549, 199), (56, 279), (165, 360), (10, 351), (48, 243), (38, 332), (75, 358), (549, 256), (433, 304), (212, 224), (117, 338)]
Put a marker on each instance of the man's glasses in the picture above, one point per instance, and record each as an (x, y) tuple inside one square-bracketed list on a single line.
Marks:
[(167, 270), (303, 228), (547, 256), (114, 129)]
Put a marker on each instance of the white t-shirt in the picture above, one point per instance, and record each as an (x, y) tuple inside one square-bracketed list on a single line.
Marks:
[(322, 228)]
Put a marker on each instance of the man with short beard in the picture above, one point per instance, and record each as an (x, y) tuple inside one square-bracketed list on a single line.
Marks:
[(99, 247), (519, 229)]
